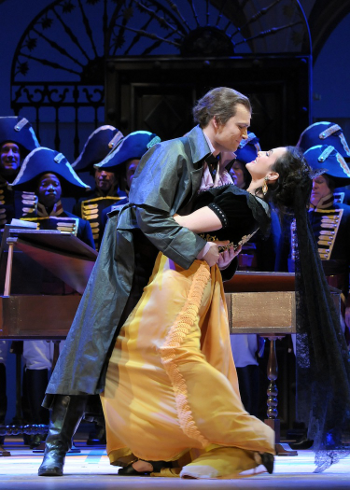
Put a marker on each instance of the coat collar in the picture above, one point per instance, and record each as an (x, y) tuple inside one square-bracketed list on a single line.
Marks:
[(198, 145)]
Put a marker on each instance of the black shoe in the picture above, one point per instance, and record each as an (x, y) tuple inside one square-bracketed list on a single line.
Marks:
[(303, 443), (130, 470), (267, 460)]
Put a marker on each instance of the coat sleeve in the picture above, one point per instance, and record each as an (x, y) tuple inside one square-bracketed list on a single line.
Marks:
[(159, 189)]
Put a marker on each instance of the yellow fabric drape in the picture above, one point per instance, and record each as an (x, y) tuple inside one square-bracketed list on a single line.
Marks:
[(171, 387)]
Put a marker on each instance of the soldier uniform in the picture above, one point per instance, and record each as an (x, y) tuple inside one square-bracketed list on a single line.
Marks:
[(91, 206), (330, 134), (44, 160), (14, 130), (13, 203), (123, 160), (37, 167)]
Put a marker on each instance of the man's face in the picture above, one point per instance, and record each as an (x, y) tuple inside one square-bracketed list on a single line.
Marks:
[(49, 189), (130, 170), (237, 174), (228, 136), (10, 159), (104, 180), (320, 189)]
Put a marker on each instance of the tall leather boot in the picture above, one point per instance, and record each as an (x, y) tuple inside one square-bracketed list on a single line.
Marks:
[(66, 415)]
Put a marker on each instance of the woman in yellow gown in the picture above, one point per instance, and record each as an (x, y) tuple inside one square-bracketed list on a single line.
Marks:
[(171, 391)]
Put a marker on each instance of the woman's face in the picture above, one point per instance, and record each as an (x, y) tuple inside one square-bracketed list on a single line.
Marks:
[(264, 162), (49, 189), (237, 174)]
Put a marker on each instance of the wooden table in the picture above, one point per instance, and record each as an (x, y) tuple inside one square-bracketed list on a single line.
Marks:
[(264, 303)]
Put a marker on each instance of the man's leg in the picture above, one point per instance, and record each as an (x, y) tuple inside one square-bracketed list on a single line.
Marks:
[(67, 412)]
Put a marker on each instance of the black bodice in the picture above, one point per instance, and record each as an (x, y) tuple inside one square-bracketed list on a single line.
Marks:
[(240, 213)]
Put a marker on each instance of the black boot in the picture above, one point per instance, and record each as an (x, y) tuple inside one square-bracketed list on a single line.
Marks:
[(66, 415)]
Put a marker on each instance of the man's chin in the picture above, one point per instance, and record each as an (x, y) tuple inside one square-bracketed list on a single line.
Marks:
[(48, 203), (9, 172)]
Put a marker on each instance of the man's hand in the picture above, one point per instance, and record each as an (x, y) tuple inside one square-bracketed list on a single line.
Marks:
[(213, 255), (227, 257)]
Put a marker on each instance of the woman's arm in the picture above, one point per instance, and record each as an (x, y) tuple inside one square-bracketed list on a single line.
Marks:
[(200, 221)]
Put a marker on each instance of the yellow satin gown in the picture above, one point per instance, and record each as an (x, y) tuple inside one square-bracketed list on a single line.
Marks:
[(171, 389)]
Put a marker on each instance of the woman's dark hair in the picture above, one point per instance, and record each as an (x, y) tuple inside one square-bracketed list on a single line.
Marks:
[(220, 102), (294, 174)]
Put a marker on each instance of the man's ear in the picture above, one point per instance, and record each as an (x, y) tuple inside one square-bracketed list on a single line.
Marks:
[(272, 176), (215, 122)]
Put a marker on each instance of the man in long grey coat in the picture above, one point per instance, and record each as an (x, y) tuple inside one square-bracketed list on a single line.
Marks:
[(167, 181)]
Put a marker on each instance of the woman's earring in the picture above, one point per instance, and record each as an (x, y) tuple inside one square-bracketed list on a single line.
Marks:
[(265, 187)]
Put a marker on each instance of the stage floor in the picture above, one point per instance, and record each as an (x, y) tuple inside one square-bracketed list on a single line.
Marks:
[(90, 469)]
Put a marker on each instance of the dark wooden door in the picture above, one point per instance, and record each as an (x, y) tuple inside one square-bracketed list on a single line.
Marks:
[(157, 94)]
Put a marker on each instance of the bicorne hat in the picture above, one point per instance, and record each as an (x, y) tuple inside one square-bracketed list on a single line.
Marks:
[(18, 130), (132, 146), (327, 160), (98, 145), (324, 133), (248, 149), (43, 160)]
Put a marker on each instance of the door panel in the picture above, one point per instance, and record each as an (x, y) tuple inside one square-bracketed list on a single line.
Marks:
[(158, 94)]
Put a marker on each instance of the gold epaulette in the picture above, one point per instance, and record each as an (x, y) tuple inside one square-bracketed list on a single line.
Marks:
[(90, 206), (29, 202), (91, 213), (3, 217)]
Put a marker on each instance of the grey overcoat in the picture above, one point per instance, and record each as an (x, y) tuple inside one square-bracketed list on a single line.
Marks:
[(167, 180)]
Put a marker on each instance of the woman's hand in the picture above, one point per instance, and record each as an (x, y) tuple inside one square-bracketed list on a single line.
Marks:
[(227, 256), (212, 255)]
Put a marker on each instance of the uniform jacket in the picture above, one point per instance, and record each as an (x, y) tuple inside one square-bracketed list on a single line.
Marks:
[(91, 208), (84, 232), (166, 182), (338, 261), (14, 203)]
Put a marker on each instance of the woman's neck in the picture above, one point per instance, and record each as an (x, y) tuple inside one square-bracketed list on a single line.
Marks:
[(255, 186)]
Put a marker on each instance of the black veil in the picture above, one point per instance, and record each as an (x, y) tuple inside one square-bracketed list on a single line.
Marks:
[(322, 356)]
